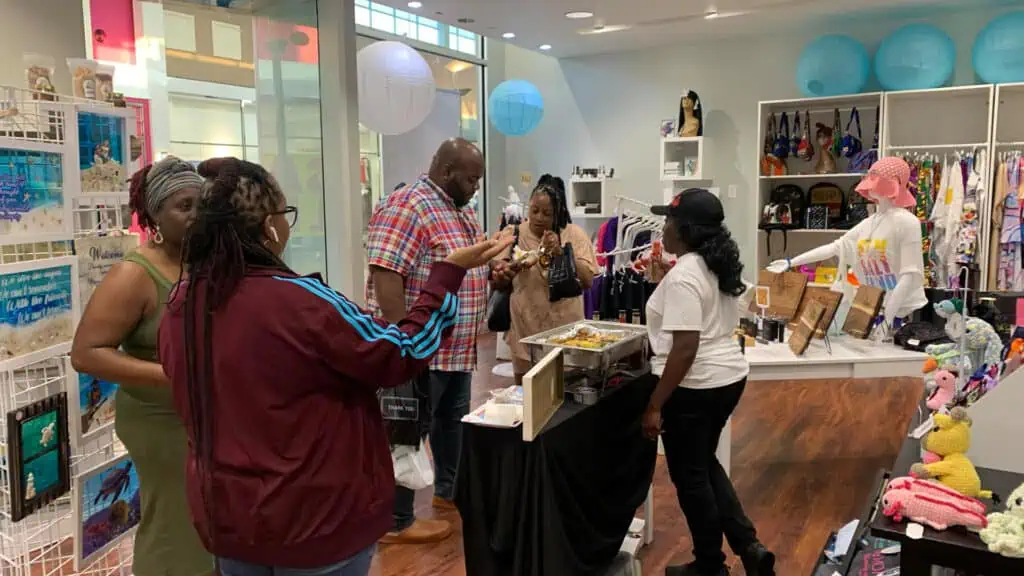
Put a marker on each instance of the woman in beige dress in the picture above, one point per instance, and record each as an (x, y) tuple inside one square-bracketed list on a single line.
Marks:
[(547, 228)]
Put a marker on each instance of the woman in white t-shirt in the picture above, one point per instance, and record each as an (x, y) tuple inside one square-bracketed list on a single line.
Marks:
[(691, 318)]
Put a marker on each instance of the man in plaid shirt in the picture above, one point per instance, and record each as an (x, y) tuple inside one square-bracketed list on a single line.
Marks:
[(413, 228)]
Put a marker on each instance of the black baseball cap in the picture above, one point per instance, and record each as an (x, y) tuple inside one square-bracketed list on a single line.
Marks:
[(695, 205)]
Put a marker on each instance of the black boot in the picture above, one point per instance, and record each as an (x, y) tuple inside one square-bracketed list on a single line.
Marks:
[(758, 561), (691, 570)]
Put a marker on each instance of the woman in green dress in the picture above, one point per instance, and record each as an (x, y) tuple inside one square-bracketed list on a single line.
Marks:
[(116, 341)]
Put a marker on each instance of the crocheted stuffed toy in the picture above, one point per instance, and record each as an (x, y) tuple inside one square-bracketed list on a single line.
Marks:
[(931, 504), (1005, 532), (983, 343), (945, 389), (950, 439)]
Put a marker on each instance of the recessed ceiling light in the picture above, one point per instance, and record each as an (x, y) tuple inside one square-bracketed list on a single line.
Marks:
[(603, 29), (579, 15), (508, 35), (545, 47), (415, 4)]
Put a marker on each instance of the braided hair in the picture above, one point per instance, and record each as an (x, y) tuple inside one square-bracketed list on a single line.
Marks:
[(554, 187), (137, 198), (223, 243)]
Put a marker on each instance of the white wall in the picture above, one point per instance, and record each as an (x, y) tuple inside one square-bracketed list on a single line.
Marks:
[(49, 27), (606, 109)]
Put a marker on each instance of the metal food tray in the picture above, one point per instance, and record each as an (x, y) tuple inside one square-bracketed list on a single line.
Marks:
[(595, 359)]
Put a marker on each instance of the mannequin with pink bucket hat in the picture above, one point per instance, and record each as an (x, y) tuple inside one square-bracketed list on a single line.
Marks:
[(883, 250)]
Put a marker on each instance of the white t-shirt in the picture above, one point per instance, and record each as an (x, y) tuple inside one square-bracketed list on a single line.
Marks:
[(688, 299), (885, 246)]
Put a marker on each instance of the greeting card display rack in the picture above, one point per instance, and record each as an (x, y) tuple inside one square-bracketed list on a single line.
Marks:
[(39, 134)]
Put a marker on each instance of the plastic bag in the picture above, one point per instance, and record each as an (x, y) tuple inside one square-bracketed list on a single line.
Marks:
[(39, 74), (83, 77), (413, 468), (562, 280)]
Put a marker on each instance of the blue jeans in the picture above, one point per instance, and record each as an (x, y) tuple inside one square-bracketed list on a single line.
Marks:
[(357, 565), (449, 402)]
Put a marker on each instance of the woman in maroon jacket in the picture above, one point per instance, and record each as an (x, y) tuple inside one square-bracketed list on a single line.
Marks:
[(275, 376)]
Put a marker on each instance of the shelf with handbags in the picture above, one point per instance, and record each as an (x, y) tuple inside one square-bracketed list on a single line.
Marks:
[(812, 144)]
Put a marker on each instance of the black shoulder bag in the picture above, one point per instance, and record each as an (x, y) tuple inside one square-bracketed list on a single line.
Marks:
[(562, 280), (499, 311)]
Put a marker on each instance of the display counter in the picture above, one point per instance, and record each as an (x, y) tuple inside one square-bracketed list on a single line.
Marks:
[(850, 358)]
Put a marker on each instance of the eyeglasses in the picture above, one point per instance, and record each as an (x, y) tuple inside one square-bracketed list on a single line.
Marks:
[(290, 213)]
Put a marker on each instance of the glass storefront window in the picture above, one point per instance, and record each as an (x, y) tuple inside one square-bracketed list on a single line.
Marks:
[(410, 25)]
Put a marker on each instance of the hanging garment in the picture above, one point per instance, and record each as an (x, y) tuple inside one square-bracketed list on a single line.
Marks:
[(941, 225), (974, 194), (996, 219), (923, 209), (952, 200), (1011, 277)]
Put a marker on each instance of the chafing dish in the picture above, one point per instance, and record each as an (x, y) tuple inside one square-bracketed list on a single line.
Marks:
[(633, 341)]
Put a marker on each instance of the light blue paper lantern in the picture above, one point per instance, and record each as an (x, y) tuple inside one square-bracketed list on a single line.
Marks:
[(915, 57), (833, 65), (998, 54), (515, 107)]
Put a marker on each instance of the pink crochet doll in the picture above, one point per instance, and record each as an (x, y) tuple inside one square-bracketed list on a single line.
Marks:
[(931, 504), (945, 389)]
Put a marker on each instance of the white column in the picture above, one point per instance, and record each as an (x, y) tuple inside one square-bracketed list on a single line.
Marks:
[(346, 256)]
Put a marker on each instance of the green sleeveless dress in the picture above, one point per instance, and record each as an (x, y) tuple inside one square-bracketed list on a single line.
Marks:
[(166, 543)]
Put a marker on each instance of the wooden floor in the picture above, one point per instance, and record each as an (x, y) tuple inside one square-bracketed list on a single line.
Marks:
[(804, 456)]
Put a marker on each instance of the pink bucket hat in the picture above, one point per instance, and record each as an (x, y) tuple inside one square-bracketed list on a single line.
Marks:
[(888, 178)]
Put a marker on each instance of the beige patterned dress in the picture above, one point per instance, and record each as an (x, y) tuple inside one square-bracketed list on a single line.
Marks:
[(531, 310)]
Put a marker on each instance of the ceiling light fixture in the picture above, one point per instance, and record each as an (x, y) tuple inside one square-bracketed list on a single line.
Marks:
[(603, 29), (414, 5), (545, 47), (508, 35), (711, 13), (579, 15)]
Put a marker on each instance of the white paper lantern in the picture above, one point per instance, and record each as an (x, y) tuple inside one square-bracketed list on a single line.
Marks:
[(396, 88)]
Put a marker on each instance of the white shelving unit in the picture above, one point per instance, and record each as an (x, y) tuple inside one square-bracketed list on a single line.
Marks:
[(685, 151), (802, 173), (1008, 117), (944, 122), (591, 198)]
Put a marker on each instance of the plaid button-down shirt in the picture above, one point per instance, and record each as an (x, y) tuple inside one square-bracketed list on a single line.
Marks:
[(413, 228)]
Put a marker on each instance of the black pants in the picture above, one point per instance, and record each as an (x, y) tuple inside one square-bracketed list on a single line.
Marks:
[(693, 421)]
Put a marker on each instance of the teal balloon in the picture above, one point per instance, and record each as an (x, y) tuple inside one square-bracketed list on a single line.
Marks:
[(833, 65), (915, 57), (998, 54), (515, 107)]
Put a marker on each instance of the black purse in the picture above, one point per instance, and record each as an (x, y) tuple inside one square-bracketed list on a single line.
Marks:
[(562, 280), (499, 305)]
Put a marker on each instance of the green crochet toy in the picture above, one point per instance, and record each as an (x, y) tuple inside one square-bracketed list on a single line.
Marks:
[(1005, 531)]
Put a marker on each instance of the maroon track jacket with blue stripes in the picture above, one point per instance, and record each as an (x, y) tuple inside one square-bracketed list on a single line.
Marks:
[(301, 473)]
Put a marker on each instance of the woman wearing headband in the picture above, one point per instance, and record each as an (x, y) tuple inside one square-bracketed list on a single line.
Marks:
[(117, 341)]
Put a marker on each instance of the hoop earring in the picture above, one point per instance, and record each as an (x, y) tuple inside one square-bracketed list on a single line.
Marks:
[(158, 238)]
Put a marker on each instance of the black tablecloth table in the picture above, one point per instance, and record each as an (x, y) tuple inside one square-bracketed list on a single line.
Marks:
[(562, 504), (954, 547)]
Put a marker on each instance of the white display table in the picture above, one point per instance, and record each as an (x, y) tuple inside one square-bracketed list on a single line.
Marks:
[(850, 358)]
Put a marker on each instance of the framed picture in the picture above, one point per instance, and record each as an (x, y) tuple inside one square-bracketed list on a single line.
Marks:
[(91, 405), (103, 142), (762, 296), (38, 454), (107, 508), (34, 206), (38, 310), (867, 303), (668, 128), (96, 255)]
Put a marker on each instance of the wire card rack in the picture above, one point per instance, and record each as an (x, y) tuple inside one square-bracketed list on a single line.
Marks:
[(41, 158)]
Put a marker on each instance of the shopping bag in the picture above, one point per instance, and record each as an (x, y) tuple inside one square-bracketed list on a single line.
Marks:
[(413, 468)]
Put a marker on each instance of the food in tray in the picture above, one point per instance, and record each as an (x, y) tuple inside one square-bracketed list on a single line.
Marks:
[(588, 337)]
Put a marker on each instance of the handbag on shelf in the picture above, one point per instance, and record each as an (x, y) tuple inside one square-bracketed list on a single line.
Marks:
[(499, 311), (781, 148), (771, 165), (794, 141), (861, 161), (852, 144), (805, 148), (837, 129), (562, 280)]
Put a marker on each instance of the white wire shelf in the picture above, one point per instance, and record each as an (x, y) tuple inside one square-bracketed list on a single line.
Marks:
[(814, 176), (938, 146)]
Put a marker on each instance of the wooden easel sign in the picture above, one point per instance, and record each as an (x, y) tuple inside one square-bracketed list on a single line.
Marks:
[(543, 393)]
